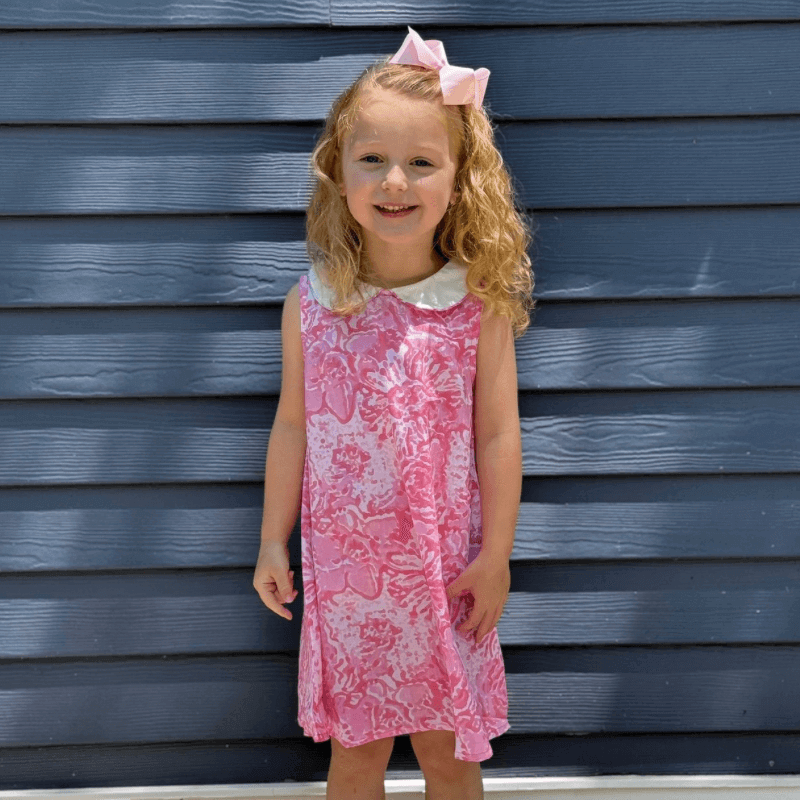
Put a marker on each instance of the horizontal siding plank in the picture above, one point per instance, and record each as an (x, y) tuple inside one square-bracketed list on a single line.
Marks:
[(190, 763), (665, 163), (640, 689), (523, 12), (144, 626), (70, 442), (302, 760), (655, 618), (22, 14), (159, 538), (163, 169), (183, 76), (639, 253), (139, 702), (151, 455), (641, 345), (162, 260), (648, 345), (130, 538), (225, 440), (588, 690), (237, 762), (227, 76), (154, 169), (141, 364), (18, 14), (693, 529), (85, 616), (664, 433), (667, 702), (197, 260)]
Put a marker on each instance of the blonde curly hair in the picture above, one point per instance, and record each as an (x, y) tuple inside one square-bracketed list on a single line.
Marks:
[(481, 230)]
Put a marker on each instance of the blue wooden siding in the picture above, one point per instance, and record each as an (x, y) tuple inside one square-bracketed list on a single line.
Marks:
[(151, 196)]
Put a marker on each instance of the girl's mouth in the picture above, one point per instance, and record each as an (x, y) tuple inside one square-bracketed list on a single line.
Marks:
[(394, 210)]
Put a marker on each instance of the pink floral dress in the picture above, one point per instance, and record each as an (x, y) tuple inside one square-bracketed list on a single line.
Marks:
[(390, 516)]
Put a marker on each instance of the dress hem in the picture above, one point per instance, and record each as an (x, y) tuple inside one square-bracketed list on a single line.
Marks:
[(494, 727)]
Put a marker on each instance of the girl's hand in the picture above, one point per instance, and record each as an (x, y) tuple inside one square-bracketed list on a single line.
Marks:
[(273, 578), (488, 578)]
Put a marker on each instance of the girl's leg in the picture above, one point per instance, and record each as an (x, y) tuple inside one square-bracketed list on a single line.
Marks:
[(358, 773), (446, 777)]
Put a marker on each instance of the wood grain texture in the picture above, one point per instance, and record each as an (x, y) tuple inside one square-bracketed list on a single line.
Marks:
[(171, 764), (562, 690), (732, 528), (85, 616), (255, 259), (636, 253), (542, 12), (225, 440), (20, 14), (662, 433), (17, 14), (153, 261), (650, 344), (144, 700), (639, 689), (238, 762), (277, 760), (167, 353), (144, 626), (154, 169), (247, 75), (665, 163), (148, 433), (128, 538), (141, 365), (655, 618), (165, 169), (131, 538)]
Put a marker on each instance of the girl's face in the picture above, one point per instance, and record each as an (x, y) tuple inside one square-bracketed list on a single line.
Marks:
[(398, 170)]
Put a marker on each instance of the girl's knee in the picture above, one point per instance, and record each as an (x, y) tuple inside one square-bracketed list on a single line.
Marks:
[(436, 754), (374, 754), (429, 744)]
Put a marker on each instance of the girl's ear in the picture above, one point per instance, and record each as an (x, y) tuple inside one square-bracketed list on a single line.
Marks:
[(454, 195)]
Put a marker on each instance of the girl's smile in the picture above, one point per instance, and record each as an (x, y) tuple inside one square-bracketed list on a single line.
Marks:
[(394, 211), (398, 173)]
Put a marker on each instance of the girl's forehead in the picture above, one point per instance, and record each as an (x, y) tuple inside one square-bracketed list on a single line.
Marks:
[(383, 112)]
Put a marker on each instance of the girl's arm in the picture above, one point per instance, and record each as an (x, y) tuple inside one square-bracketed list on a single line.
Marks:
[(498, 460), (283, 478), (498, 440)]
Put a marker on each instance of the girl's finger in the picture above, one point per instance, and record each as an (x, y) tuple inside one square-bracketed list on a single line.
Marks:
[(453, 589), (497, 617), (491, 621), (495, 620), (475, 619), (271, 601)]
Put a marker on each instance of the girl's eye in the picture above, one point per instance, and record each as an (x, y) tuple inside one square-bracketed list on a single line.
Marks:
[(371, 159), (422, 162)]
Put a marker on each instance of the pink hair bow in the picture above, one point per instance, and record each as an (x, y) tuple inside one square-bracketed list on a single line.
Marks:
[(460, 85)]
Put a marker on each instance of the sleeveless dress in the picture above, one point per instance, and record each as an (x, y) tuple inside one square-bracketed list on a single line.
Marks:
[(390, 515)]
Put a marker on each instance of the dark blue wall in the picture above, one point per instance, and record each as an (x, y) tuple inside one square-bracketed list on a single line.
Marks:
[(152, 182)]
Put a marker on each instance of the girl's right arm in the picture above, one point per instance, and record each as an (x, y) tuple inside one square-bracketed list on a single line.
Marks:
[(284, 469)]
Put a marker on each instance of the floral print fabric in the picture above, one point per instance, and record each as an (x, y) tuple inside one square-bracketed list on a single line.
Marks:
[(390, 515)]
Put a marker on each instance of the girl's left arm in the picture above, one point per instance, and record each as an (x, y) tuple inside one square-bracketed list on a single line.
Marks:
[(498, 439), (498, 457)]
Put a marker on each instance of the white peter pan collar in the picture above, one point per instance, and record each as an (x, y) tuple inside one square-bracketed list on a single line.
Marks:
[(441, 290)]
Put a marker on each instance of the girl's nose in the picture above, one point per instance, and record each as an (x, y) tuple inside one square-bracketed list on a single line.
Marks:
[(395, 179)]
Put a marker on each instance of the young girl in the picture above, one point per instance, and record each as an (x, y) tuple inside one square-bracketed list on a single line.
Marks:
[(398, 418)]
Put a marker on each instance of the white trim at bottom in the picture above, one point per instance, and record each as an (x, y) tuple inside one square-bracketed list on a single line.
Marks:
[(628, 787)]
